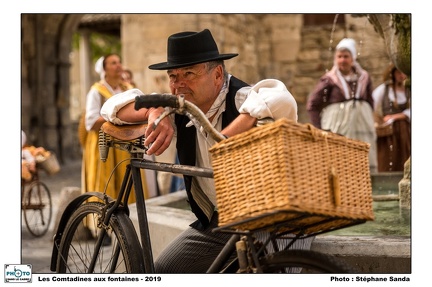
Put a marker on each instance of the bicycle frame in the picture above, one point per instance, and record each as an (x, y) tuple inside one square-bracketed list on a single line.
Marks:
[(242, 241), (131, 178), (133, 172)]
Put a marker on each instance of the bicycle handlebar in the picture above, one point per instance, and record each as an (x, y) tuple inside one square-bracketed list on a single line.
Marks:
[(181, 106), (156, 100)]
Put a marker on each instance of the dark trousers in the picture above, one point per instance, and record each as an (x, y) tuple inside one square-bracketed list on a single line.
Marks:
[(193, 251)]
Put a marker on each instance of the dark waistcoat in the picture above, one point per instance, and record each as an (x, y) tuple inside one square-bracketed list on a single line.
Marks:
[(389, 107), (186, 144)]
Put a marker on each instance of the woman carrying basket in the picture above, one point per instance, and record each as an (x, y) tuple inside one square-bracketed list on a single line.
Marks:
[(393, 116)]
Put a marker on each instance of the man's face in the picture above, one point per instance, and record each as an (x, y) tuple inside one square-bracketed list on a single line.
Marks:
[(198, 84)]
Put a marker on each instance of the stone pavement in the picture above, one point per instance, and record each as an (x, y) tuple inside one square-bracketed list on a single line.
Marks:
[(37, 251)]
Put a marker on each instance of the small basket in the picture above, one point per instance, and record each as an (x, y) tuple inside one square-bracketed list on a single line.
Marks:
[(384, 130), (291, 175), (48, 162)]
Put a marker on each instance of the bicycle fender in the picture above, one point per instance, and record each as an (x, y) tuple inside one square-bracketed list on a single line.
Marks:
[(70, 208)]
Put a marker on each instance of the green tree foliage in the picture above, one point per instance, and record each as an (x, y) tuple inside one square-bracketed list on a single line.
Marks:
[(101, 44)]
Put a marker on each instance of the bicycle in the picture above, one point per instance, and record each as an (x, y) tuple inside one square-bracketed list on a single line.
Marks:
[(77, 251), (36, 205)]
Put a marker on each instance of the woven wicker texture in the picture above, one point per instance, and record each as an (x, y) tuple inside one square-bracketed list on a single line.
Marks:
[(286, 166)]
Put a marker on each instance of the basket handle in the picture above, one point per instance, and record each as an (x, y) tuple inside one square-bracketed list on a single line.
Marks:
[(313, 131), (333, 176), (335, 186)]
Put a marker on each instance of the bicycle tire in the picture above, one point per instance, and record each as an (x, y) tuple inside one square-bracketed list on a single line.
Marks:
[(304, 261), (37, 208), (77, 245)]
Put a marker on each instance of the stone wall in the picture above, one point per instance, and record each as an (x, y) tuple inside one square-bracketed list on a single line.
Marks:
[(45, 95)]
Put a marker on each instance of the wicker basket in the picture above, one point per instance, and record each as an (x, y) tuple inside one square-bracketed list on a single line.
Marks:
[(384, 130), (292, 175), (49, 163)]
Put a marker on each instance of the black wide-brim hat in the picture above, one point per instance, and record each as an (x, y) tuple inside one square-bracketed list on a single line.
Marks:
[(190, 48)]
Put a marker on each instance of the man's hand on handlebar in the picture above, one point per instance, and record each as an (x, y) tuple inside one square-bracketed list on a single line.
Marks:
[(160, 138)]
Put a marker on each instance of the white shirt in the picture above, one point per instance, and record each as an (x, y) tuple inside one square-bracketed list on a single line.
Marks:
[(94, 104), (378, 95)]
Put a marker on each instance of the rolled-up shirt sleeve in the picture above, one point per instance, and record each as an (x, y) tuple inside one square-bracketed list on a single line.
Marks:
[(268, 99), (115, 103)]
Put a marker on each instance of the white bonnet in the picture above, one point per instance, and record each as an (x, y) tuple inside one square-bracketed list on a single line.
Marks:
[(99, 67), (350, 45)]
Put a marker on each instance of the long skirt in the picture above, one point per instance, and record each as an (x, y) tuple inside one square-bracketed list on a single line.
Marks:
[(395, 149)]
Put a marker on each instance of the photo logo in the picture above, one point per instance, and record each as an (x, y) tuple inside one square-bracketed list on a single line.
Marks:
[(18, 273)]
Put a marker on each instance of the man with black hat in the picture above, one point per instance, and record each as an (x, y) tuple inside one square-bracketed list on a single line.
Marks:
[(196, 69)]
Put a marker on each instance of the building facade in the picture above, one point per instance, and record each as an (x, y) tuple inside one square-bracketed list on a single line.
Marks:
[(294, 48)]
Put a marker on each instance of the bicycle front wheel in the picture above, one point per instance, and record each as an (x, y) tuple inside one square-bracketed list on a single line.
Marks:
[(37, 208), (120, 251), (304, 261)]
